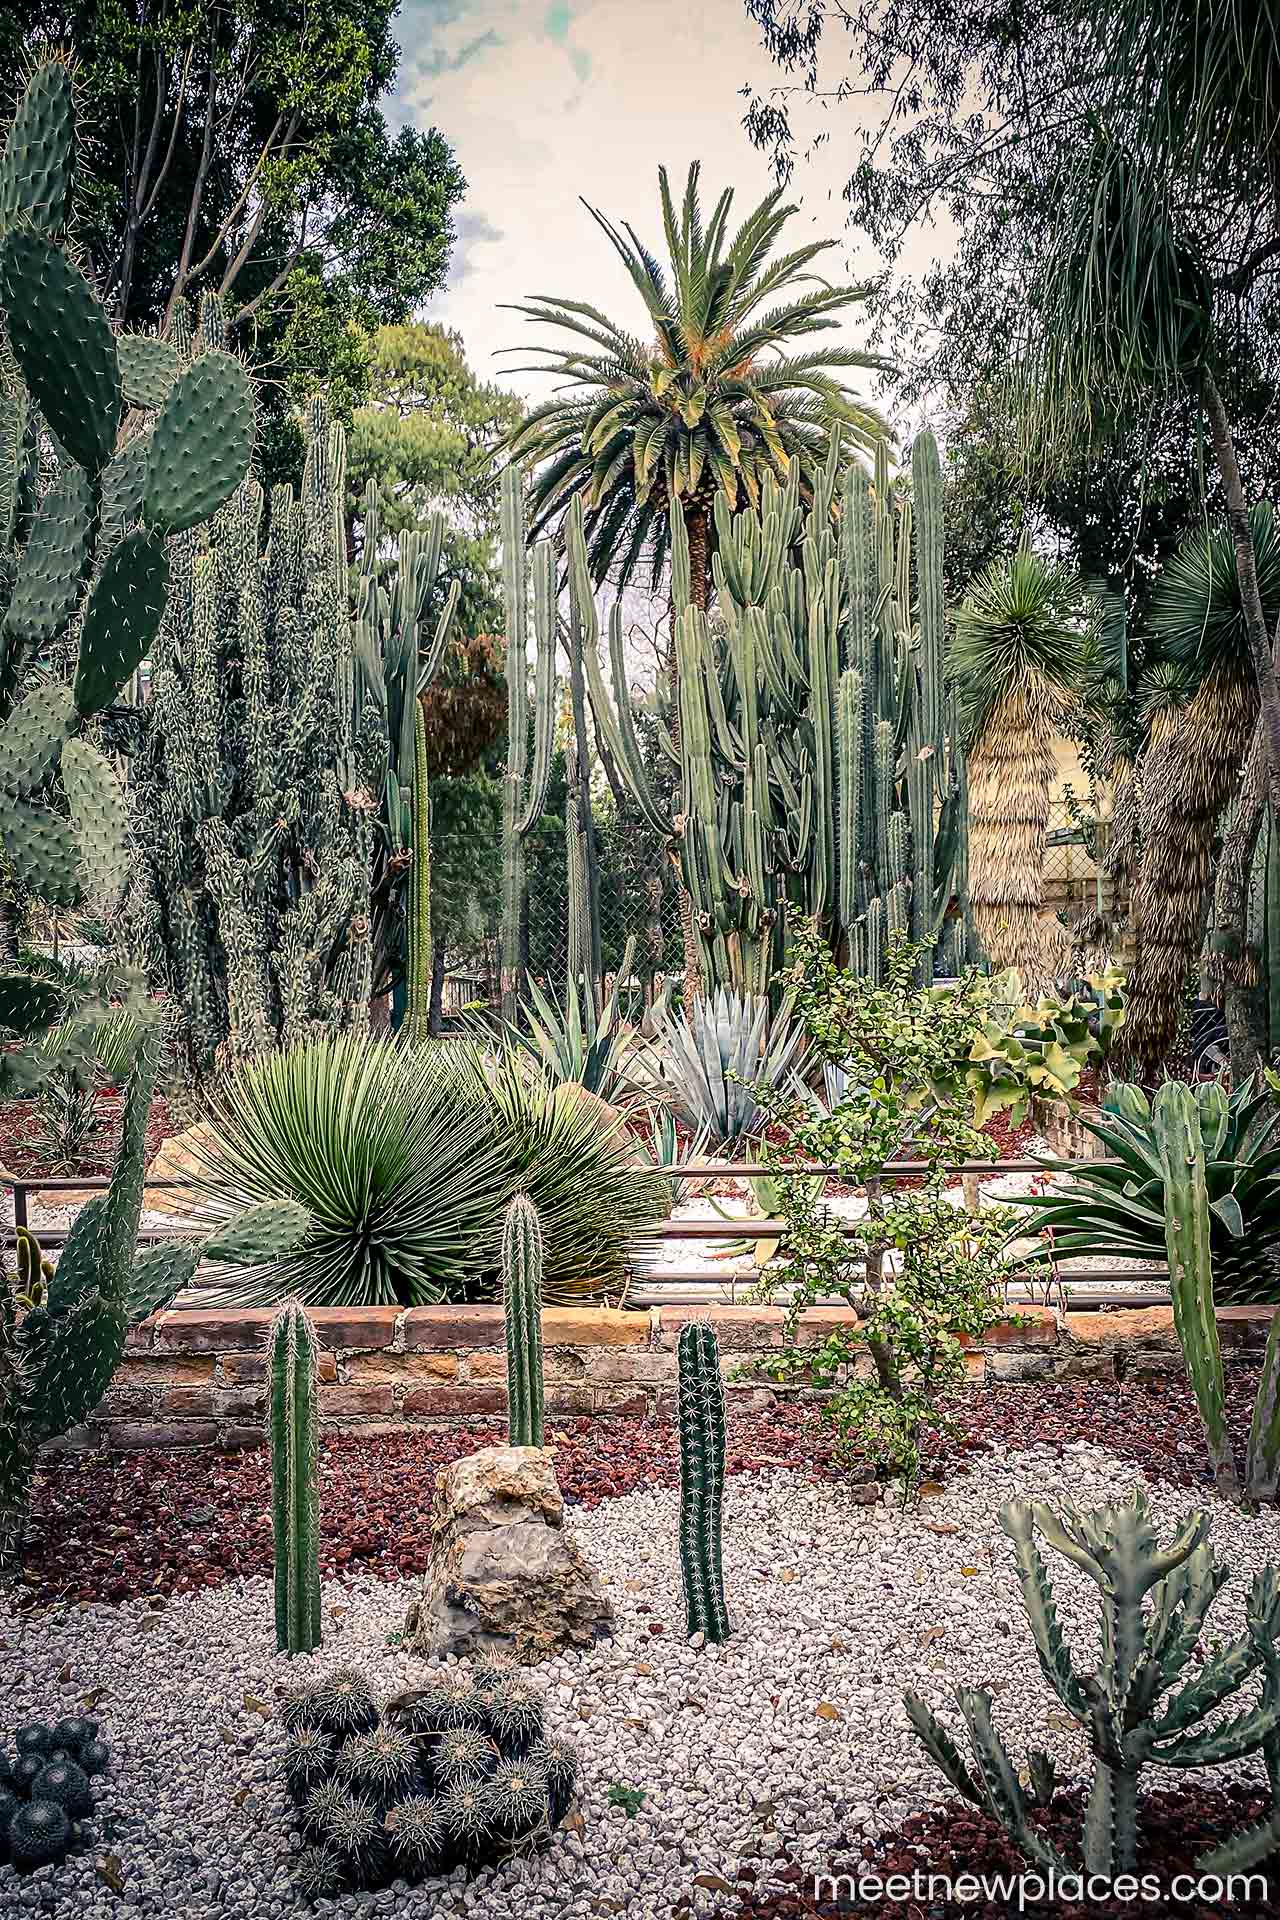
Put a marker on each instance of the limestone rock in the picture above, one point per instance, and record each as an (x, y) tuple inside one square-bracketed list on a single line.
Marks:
[(505, 1576)]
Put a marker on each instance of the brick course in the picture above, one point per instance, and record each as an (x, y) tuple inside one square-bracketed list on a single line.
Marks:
[(197, 1378)]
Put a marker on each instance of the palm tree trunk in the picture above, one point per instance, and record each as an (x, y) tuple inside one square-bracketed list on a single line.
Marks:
[(695, 521), (1233, 967), (1011, 772), (1247, 574)]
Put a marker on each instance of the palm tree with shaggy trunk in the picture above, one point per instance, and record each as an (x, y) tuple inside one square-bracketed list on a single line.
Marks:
[(711, 399), (1020, 653), (1191, 769)]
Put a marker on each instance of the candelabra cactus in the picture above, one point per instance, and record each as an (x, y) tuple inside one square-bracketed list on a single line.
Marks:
[(528, 775), (818, 765), (292, 1427), (700, 1413), (522, 1311), (1154, 1603), (1189, 1125)]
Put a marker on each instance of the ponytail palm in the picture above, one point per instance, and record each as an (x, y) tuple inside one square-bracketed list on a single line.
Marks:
[(712, 398), (1020, 653)]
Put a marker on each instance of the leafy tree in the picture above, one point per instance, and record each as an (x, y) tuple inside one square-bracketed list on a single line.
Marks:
[(240, 146)]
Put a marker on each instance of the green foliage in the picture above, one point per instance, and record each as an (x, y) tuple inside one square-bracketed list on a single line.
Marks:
[(528, 772), (293, 1431), (578, 1046), (1115, 1207), (522, 1309), (700, 1418), (406, 1159), (1130, 1709), (630, 1799), (919, 1270), (1024, 1052), (712, 402), (720, 1060), (1023, 625)]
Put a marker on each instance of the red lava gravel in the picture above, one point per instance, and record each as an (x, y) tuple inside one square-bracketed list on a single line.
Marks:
[(22, 1155), (128, 1525), (955, 1839)]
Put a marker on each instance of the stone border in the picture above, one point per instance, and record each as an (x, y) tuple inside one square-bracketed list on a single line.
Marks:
[(195, 1379)]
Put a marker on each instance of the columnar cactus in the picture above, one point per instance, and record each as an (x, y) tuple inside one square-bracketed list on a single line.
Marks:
[(528, 775), (818, 759), (292, 1428), (522, 1309), (700, 1413), (1131, 1709)]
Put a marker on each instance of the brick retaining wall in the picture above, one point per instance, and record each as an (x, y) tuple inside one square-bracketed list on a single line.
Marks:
[(196, 1379)]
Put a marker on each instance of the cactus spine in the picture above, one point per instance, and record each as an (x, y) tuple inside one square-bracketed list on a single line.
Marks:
[(1154, 1602), (817, 764), (528, 775), (700, 1413), (292, 1427), (522, 1309)]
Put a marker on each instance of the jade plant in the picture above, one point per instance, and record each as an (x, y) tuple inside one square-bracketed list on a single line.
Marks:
[(522, 1312), (293, 1430), (457, 1774), (1153, 1699), (700, 1417)]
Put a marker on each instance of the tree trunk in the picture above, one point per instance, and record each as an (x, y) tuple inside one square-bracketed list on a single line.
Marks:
[(695, 521), (1233, 966), (1247, 574)]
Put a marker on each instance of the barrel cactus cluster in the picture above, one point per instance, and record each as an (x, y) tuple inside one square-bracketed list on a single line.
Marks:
[(459, 1773), (47, 1791)]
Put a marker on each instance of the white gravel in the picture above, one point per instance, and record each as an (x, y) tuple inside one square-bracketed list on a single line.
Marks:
[(793, 1731)]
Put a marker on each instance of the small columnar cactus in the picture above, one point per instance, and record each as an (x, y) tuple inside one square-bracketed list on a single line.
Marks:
[(1136, 1708), (522, 1308), (700, 1414), (292, 1426)]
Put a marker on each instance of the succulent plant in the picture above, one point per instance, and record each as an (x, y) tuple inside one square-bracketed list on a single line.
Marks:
[(34, 1738), (74, 1733), (464, 1815), (308, 1760), (40, 1835), (303, 1707), (27, 1768), (293, 1427), (522, 1318), (68, 1785), (715, 1055), (519, 1799), (557, 1761), (344, 1704), (380, 1766), (95, 1757), (319, 1873), (463, 1756), (700, 1415), (355, 1834), (9, 1804), (1132, 1709), (528, 777), (416, 1834), (513, 1714), (319, 1807)]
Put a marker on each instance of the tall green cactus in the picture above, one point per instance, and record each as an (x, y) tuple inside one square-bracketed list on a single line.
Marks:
[(1189, 1125), (522, 1310), (528, 774), (1154, 1603), (700, 1415), (293, 1429), (818, 760)]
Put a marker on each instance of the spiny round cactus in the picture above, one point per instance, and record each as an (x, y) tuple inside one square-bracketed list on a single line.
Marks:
[(95, 1757), (303, 1707), (320, 1874), (493, 1670), (356, 1836), (67, 1786), (75, 1732), (344, 1704), (557, 1761), (463, 1755), (381, 1765), (9, 1804), (25, 1769), (464, 1811), (308, 1759), (39, 1835), (36, 1737), (319, 1807), (519, 1802), (416, 1832), (513, 1714)]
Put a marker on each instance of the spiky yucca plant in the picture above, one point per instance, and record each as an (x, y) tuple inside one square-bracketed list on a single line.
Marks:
[(1190, 770), (713, 400), (1020, 653), (715, 1059)]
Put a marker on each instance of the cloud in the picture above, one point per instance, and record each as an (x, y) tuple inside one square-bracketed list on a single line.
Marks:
[(474, 230)]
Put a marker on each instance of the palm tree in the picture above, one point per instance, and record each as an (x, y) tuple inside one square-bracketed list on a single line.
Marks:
[(1191, 766), (713, 397), (1021, 651)]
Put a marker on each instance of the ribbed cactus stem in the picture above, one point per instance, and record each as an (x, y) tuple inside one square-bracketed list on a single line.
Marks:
[(419, 968), (293, 1428), (1176, 1118), (522, 1310), (700, 1414)]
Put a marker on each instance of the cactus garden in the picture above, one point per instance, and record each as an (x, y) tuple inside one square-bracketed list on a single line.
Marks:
[(639, 961)]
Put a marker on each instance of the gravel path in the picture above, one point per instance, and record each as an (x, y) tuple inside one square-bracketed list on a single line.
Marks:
[(790, 1735)]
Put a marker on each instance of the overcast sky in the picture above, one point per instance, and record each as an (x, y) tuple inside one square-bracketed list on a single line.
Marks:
[(544, 102)]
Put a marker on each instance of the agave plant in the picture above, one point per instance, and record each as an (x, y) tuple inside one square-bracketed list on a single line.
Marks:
[(406, 1159), (716, 1057), (1115, 1207), (576, 1045)]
